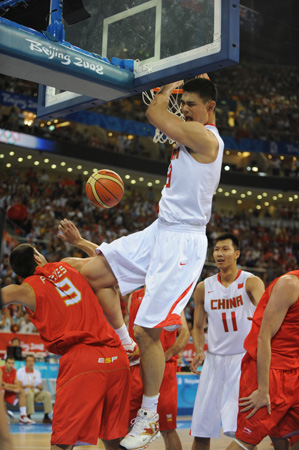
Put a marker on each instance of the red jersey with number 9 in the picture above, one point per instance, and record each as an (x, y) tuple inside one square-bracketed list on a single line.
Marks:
[(67, 311)]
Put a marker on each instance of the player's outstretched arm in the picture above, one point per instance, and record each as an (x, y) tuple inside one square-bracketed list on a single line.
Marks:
[(254, 288), (199, 321), (181, 341), (22, 295), (284, 294), (68, 232)]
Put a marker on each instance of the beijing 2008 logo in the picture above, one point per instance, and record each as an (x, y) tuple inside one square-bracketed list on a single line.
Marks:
[(9, 137)]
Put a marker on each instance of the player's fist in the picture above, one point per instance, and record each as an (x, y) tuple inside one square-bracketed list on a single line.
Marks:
[(196, 362)]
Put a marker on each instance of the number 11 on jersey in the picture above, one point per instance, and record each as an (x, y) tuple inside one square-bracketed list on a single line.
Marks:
[(233, 320)]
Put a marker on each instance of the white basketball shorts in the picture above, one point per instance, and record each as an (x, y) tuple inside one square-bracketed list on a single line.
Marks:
[(168, 260), (217, 396)]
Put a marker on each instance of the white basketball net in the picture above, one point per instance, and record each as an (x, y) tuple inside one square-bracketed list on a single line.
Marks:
[(173, 108)]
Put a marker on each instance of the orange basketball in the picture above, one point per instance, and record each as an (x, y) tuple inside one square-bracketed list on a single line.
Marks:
[(105, 188)]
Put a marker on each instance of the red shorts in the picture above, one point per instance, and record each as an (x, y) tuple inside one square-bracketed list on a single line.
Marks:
[(284, 395), (10, 397), (93, 395), (167, 406)]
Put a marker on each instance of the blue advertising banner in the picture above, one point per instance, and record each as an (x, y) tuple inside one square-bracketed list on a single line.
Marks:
[(187, 388), (20, 101), (113, 123), (26, 140), (128, 127)]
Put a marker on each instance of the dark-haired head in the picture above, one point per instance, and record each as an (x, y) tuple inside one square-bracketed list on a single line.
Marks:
[(226, 236), (22, 260), (203, 87)]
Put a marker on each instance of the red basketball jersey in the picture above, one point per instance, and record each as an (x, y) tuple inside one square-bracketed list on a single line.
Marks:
[(67, 310), (285, 344), (9, 377), (167, 338)]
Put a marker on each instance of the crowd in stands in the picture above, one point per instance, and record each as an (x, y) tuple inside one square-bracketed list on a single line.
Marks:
[(256, 102), (33, 205)]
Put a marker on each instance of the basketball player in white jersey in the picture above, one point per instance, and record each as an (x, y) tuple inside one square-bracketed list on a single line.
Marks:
[(167, 257), (227, 300)]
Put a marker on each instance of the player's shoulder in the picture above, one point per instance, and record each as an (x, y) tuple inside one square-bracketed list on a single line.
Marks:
[(252, 279), (199, 291), (289, 281)]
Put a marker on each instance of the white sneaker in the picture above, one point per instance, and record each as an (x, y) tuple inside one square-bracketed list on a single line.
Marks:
[(10, 414), (132, 351), (145, 430), (25, 419)]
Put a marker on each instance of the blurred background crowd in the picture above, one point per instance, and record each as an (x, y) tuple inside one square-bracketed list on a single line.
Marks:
[(254, 102), (34, 204)]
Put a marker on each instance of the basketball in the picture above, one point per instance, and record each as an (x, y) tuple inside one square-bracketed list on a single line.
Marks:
[(104, 188)]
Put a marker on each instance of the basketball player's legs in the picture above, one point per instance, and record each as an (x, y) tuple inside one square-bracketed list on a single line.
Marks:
[(5, 439), (152, 358), (98, 273), (237, 444), (111, 445), (172, 440), (201, 443), (62, 447), (110, 302), (295, 446), (280, 443)]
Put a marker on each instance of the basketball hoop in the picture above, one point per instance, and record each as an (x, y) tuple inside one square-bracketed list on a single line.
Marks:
[(173, 108)]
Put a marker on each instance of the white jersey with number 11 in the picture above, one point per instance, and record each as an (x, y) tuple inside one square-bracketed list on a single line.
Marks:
[(228, 310)]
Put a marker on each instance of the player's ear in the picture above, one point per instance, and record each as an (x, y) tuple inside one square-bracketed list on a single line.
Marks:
[(211, 105), (37, 259)]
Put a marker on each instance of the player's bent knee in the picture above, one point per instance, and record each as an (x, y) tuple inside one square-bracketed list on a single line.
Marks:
[(146, 335)]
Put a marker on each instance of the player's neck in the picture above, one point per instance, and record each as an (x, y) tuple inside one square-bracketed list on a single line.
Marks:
[(211, 120), (228, 275)]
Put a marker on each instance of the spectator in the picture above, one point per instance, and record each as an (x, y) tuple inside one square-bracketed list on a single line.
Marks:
[(13, 390), (15, 350), (31, 382), (26, 326), (6, 320)]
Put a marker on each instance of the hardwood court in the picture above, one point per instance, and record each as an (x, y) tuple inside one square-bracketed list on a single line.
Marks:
[(35, 441)]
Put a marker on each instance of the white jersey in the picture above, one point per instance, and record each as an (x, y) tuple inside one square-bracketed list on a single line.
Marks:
[(190, 186), (228, 309)]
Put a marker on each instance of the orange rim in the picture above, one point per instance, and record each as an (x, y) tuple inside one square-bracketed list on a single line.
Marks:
[(175, 91)]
